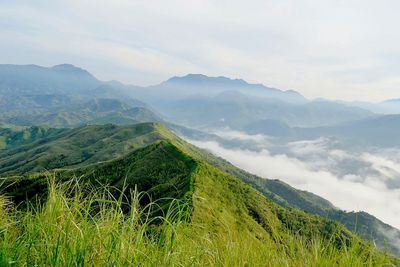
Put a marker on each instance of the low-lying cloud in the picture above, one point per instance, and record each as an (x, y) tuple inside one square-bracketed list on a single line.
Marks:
[(352, 181)]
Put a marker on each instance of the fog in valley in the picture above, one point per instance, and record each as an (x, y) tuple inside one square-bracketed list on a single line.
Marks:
[(352, 180)]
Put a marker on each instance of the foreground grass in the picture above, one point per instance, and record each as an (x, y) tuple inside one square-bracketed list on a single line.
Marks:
[(97, 229)]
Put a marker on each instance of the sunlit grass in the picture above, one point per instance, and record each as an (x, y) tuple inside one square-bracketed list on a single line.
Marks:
[(80, 227)]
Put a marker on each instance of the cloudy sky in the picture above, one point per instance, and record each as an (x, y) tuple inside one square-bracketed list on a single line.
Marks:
[(337, 49)]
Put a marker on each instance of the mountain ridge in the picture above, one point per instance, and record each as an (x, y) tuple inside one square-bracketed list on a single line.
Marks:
[(223, 208), (139, 137)]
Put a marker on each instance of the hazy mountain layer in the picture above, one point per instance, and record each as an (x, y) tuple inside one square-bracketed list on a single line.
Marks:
[(63, 96), (375, 131)]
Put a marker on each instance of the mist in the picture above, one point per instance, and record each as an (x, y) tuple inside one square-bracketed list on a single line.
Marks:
[(353, 181)]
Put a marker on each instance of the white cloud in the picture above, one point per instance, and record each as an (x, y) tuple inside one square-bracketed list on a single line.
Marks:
[(386, 167), (307, 147), (349, 191), (237, 135), (392, 237)]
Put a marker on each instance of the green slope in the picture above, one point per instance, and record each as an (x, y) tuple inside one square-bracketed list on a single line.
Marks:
[(231, 224), (159, 169), (13, 137), (104, 154), (75, 113), (364, 224), (84, 145)]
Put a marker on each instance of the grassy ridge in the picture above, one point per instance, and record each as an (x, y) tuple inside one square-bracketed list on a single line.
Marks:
[(167, 168), (159, 169), (94, 229), (364, 224), (77, 147)]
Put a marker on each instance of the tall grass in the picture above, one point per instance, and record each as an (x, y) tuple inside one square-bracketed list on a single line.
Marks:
[(80, 227)]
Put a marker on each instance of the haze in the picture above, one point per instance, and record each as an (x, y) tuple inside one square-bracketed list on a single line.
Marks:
[(333, 49)]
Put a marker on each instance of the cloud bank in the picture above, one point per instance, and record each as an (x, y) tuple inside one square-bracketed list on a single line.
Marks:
[(353, 182)]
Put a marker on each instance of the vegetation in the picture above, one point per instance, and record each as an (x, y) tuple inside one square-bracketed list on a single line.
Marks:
[(79, 115), (229, 225), (13, 137), (364, 224), (80, 146), (227, 216)]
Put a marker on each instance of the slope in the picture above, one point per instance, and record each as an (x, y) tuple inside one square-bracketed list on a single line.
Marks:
[(94, 111), (223, 207), (13, 137), (63, 96), (78, 149), (364, 224), (79, 146)]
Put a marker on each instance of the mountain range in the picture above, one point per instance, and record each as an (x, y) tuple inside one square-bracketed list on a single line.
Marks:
[(63, 122)]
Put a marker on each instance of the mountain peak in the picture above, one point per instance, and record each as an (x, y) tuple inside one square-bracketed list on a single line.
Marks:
[(69, 68), (201, 79), (203, 84)]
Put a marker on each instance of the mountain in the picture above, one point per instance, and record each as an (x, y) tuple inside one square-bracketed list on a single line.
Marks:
[(94, 111), (60, 96), (227, 205), (235, 110), (80, 146), (205, 85), (270, 127), (390, 106), (12, 137), (109, 104), (379, 131), (152, 157), (164, 95), (167, 167), (66, 96), (197, 100), (18, 80), (230, 222), (129, 116)]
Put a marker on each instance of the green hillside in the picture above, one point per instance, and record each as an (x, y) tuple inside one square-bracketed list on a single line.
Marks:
[(230, 223), (97, 110), (13, 137), (364, 224), (147, 157), (225, 213), (84, 145)]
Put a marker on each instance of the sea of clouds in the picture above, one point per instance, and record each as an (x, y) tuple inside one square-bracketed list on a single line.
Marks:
[(353, 180)]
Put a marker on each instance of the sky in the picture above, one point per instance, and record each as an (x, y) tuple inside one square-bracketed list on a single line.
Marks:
[(336, 49)]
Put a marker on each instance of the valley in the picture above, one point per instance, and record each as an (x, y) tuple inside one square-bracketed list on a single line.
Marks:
[(131, 139)]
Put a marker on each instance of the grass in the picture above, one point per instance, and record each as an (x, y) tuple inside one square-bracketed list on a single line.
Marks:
[(363, 224), (76, 147), (95, 229), (193, 214), (39, 148), (80, 227)]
